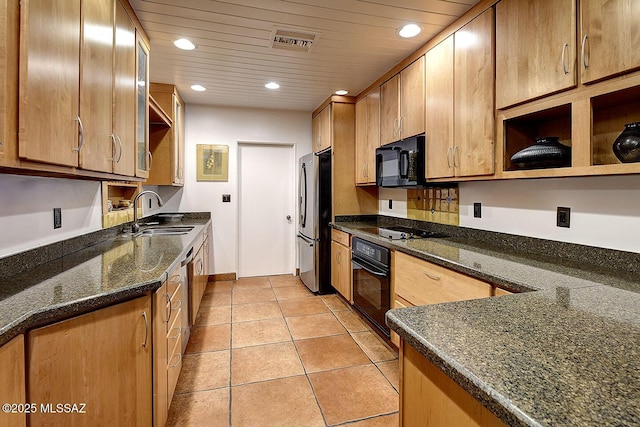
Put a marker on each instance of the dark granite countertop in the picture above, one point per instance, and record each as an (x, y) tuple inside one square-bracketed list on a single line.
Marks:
[(116, 269), (565, 352)]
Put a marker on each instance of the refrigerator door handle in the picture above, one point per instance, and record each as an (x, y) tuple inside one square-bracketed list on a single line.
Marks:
[(303, 196), (306, 240)]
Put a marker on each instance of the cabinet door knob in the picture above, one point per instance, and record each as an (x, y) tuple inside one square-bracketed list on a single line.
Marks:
[(288, 217)]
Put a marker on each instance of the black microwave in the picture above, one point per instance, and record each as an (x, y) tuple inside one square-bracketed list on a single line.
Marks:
[(401, 164)]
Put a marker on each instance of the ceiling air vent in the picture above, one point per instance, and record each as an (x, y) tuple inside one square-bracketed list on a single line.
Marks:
[(295, 41)]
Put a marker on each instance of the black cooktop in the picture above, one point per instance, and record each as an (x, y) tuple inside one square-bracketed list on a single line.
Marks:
[(399, 232)]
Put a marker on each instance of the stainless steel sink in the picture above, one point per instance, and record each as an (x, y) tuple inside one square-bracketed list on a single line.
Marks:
[(163, 231)]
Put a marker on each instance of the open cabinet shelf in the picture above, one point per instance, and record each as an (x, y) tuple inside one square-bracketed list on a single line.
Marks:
[(588, 119), (116, 193)]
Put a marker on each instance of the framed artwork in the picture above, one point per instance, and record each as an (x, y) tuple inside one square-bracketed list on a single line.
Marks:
[(212, 162)]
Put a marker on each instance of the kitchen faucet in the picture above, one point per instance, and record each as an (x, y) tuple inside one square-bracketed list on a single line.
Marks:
[(135, 227)]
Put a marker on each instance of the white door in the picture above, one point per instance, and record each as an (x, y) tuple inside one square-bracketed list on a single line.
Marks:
[(266, 209)]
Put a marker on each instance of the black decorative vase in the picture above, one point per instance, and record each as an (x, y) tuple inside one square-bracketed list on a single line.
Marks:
[(547, 152), (626, 147)]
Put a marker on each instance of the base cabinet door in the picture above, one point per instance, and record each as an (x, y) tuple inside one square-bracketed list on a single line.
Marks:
[(12, 381), (100, 362), (430, 398), (341, 269)]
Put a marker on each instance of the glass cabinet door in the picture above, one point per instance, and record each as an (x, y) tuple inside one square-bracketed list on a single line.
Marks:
[(143, 156)]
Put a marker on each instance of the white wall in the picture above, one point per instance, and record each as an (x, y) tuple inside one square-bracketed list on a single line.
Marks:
[(605, 211), (26, 210), (227, 126)]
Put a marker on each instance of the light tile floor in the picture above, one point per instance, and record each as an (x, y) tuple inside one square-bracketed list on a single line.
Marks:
[(267, 352)]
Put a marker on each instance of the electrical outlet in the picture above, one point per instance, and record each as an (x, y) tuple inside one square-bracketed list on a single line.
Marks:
[(477, 210), (563, 217), (226, 198), (57, 218)]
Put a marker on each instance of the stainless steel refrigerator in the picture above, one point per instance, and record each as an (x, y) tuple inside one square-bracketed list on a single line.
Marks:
[(314, 233)]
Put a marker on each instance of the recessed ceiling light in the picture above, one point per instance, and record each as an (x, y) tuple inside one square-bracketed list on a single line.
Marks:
[(409, 30), (272, 85), (184, 44), (198, 88), (342, 92)]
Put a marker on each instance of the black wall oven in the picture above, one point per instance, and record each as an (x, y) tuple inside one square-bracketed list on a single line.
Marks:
[(371, 281)]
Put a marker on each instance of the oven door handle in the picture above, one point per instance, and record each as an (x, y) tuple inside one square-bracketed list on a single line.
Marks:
[(369, 269)]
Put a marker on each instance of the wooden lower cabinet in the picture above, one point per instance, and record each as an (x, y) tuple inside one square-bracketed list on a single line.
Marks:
[(198, 278), (12, 381), (341, 264), (100, 361), (428, 397), (167, 344), (420, 282)]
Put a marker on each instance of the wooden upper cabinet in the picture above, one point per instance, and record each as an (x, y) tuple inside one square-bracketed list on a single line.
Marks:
[(412, 102), (143, 155), (9, 21), (402, 104), (99, 146), (439, 110), (77, 85), (124, 93), (367, 137), (166, 140), (322, 128), (474, 112), (49, 126), (390, 110), (535, 49), (609, 39)]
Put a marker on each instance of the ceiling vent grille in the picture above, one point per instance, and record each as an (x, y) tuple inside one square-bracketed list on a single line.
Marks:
[(295, 41)]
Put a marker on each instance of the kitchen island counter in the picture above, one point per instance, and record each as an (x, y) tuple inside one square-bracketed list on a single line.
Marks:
[(566, 351), (113, 268)]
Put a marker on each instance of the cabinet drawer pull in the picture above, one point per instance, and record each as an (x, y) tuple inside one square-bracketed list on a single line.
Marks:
[(146, 329), (178, 362), (431, 275), (584, 56), (178, 334), (564, 64), (80, 134)]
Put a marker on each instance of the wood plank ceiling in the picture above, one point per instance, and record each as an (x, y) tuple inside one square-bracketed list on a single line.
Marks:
[(356, 43)]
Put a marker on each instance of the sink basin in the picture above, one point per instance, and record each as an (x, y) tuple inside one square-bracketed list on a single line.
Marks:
[(163, 231)]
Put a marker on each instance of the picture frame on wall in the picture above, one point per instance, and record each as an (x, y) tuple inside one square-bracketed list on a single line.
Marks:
[(212, 162)]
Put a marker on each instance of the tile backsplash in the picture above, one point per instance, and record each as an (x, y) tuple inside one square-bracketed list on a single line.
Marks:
[(434, 204)]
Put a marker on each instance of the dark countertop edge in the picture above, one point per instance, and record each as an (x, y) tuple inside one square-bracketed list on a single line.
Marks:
[(54, 314), (387, 243), (495, 402)]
